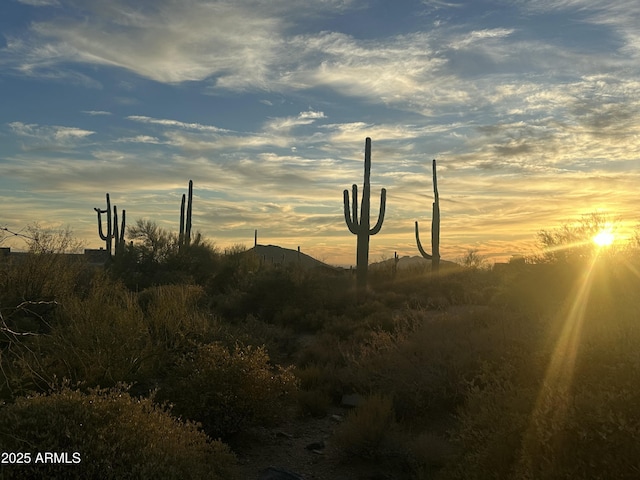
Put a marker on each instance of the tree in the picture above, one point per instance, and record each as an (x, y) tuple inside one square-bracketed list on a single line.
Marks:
[(571, 242)]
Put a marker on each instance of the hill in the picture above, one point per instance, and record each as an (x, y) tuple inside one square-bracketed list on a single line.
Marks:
[(285, 256), (410, 263)]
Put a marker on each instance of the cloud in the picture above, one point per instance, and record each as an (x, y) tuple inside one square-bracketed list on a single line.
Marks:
[(176, 123), (52, 135), (287, 123), (140, 139), (40, 3), (94, 113), (166, 41)]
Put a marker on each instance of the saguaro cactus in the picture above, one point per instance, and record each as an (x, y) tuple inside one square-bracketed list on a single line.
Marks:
[(435, 228), (184, 237), (119, 237), (361, 226), (112, 228)]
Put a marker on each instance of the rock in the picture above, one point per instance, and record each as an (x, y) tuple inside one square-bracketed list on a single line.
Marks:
[(351, 400), (337, 418), (276, 473), (315, 446)]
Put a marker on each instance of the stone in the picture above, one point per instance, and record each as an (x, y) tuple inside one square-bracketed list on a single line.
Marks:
[(315, 446), (277, 473)]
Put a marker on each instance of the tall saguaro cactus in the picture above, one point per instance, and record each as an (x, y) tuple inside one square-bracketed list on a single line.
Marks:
[(112, 228), (435, 228), (185, 230), (361, 226)]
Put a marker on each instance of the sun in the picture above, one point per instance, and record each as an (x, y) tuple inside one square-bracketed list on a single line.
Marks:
[(604, 238)]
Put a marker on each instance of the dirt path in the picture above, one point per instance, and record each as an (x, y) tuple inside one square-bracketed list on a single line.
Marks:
[(289, 446)]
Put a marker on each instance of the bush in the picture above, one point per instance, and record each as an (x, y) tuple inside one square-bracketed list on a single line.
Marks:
[(227, 390), (110, 335), (319, 386), (565, 407), (369, 430), (99, 340), (173, 317), (115, 437)]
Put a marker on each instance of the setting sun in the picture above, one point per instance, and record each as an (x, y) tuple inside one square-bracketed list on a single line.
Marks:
[(604, 238)]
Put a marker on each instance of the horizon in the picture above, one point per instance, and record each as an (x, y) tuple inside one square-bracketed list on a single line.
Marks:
[(531, 109)]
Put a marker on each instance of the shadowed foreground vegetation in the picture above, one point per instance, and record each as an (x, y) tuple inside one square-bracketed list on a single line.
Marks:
[(529, 370)]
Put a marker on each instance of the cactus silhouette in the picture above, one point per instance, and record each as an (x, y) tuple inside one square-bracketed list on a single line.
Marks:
[(435, 228), (184, 237), (112, 228), (361, 226)]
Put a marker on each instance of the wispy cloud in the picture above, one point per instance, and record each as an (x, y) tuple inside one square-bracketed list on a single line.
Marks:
[(286, 124), (94, 113), (140, 139), (40, 3), (176, 123), (49, 134)]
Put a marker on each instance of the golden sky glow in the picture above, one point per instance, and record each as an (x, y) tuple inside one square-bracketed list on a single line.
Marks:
[(266, 108)]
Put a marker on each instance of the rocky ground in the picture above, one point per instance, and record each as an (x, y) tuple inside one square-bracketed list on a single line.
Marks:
[(302, 446)]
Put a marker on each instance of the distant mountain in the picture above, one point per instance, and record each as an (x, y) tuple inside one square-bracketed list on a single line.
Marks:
[(410, 263), (285, 256)]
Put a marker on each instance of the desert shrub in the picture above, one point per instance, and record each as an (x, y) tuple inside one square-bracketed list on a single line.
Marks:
[(369, 431), (40, 276), (110, 335), (114, 435), (31, 283), (426, 453), (281, 342), (173, 316), (319, 387), (271, 290), (564, 404), (228, 389), (325, 349), (100, 339), (315, 403), (425, 363)]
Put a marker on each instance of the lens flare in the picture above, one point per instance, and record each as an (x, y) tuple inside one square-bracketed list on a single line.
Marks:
[(603, 238)]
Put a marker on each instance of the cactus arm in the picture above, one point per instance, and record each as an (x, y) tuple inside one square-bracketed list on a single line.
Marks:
[(422, 251), (109, 225), (351, 224), (181, 235), (108, 212), (116, 233), (122, 230), (189, 211), (354, 194), (100, 232), (383, 201)]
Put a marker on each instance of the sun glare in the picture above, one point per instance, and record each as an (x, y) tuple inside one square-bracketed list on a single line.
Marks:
[(603, 238)]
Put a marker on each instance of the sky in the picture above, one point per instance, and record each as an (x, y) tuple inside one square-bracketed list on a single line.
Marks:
[(530, 107)]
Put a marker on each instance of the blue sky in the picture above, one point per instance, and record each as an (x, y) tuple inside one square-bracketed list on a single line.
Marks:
[(531, 108)]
